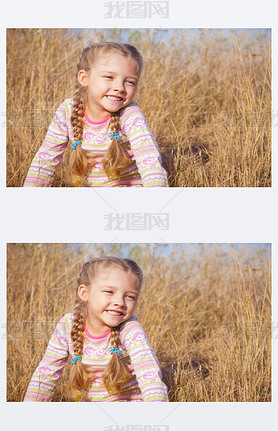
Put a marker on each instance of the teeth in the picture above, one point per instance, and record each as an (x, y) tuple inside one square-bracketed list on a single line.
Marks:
[(114, 98), (114, 313)]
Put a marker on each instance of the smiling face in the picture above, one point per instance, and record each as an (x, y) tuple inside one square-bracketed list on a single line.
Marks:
[(110, 299), (110, 84)]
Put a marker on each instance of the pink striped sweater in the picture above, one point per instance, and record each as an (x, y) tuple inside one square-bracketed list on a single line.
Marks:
[(137, 141), (137, 355)]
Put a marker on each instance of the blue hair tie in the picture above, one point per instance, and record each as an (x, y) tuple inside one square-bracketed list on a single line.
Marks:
[(115, 350), (75, 359), (115, 135), (74, 145)]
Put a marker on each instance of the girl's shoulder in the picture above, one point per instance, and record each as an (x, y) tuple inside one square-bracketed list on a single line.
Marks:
[(63, 328), (132, 109), (132, 334), (64, 110), (66, 322), (67, 104), (131, 325), (132, 105)]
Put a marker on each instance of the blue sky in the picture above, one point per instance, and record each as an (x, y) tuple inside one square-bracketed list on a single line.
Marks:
[(165, 249), (165, 34)]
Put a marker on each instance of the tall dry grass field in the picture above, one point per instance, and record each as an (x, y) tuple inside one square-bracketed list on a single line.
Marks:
[(206, 310), (206, 96)]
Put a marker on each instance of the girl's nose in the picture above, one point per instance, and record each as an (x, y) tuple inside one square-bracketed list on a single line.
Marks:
[(119, 86), (119, 301)]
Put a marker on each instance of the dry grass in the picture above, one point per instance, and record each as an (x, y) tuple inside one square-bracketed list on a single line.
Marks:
[(206, 97), (206, 310)]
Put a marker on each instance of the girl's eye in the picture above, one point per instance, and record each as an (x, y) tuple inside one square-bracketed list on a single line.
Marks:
[(108, 77), (131, 297), (131, 82), (108, 291)]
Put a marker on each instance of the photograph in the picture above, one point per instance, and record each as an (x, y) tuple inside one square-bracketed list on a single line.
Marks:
[(139, 322), (138, 107)]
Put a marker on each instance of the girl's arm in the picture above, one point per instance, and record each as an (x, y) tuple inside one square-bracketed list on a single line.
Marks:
[(144, 361), (144, 147), (43, 167), (43, 382)]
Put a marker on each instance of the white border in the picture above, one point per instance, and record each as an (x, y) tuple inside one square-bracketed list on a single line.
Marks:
[(200, 215)]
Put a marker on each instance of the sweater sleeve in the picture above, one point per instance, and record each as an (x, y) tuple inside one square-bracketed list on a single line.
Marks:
[(43, 382), (144, 147), (144, 361), (43, 167)]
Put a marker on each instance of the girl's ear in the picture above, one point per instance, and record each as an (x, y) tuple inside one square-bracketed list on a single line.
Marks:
[(83, 78), (83, 292)]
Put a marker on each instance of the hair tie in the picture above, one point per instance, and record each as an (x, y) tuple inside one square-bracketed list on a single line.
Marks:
[(115, 135), (74, 145), (75, 359), (115, 350)]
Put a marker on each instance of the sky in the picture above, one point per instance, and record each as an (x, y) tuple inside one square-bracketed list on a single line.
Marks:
[(166, 248), (131, 34)]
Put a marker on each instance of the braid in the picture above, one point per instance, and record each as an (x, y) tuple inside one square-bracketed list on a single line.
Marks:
[(77, 114), (79, 374), (115, 374), (115, 337), (115, 159), (79, 159), (78, 329), (115, 122)]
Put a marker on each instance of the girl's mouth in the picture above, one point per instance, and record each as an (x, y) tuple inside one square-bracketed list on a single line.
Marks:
[(114, 313), (115, 98)]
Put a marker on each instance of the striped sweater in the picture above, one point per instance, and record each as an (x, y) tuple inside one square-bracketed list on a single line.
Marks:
[(137, 355), (137, 141)]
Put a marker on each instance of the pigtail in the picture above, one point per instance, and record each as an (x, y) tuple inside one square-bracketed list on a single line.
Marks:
[(115, 159), (79, 159), (79, 375), (115, 374)]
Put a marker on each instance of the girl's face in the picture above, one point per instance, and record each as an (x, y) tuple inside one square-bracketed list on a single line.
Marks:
[(110, 299), (110, 85)]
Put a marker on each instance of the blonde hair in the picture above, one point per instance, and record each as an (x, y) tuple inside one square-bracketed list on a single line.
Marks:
[(115, 374), (115, 159)]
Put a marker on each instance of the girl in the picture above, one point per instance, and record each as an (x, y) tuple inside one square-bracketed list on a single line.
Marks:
[(112, 359), (111, 144)]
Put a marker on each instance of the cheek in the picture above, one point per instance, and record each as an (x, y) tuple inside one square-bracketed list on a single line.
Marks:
[(131, 306), (132, 91), (102, 301), (97, 302)]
